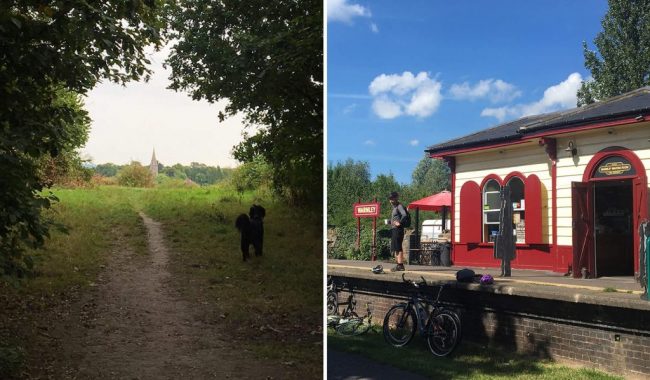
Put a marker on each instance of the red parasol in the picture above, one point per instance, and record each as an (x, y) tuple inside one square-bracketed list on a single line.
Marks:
[(435, 202)]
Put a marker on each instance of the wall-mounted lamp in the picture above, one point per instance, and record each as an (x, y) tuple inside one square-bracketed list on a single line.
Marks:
[(572, 148)]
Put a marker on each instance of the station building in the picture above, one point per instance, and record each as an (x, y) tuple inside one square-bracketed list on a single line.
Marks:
[(579, 182)]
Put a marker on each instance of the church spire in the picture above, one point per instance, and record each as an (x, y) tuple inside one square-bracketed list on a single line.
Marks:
[(153, 166)]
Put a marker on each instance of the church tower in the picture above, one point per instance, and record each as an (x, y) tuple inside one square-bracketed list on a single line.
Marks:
[(153, 166)]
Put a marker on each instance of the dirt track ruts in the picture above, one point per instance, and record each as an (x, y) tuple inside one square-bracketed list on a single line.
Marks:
[(142, 329)]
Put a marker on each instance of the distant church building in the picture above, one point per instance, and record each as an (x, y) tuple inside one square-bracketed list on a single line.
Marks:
[(153, 166)]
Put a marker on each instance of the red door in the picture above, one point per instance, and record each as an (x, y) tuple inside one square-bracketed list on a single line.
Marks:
[(640, 213), (583, 236)]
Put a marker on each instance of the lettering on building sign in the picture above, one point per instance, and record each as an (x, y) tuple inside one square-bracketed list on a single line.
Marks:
[(614, 168)]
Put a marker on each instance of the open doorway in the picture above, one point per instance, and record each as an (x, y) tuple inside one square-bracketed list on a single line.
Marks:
[(613, 228)]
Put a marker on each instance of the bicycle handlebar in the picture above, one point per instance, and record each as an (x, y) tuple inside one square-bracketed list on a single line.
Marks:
[(422, 283)]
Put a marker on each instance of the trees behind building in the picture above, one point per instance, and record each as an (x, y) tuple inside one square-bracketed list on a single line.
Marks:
[(621, 61)]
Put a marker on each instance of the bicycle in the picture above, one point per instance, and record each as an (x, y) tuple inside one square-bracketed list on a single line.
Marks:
[(438, 325), (348, 322), (332, 297)]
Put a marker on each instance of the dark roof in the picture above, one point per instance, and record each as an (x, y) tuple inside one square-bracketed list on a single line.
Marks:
[(629, 104)]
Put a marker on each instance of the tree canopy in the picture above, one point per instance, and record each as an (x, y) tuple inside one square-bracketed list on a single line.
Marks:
[(622, 60), (47, 51), (266, 59), (350, 180)]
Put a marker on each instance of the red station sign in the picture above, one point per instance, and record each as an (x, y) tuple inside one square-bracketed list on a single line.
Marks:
[(366, 210)]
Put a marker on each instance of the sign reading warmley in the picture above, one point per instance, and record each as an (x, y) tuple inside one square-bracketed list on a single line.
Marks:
[(366, 210)]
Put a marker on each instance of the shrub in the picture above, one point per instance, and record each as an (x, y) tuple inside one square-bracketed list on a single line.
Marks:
[(135, 175), (345, 245)]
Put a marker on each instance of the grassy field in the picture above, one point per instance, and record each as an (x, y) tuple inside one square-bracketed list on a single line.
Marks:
[(470, 361), (270, 305)]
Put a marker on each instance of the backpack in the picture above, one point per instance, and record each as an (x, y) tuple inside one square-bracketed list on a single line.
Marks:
[(465, 275), (406, 223), (407, 220)]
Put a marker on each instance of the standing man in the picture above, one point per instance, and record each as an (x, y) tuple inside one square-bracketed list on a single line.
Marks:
[(397, 218)]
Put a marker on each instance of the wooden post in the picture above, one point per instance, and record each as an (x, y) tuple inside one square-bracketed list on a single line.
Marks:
[(373, 256), (359, 231)]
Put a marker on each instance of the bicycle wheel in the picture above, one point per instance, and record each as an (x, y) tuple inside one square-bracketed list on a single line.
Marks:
[(456, 317), (352, 327), (399, 325), (332, 303), (442, 336)]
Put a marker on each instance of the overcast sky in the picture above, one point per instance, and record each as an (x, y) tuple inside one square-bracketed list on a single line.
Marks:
[(129, 122)]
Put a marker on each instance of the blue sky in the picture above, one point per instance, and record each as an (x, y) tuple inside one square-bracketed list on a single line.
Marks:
[(404, 75)]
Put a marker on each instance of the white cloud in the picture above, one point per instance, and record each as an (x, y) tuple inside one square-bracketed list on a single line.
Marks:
[(369, 142), (406, 94), (557, 97), (494, 90), (374, 27), (386, 108), (341, 10), (414, 142)]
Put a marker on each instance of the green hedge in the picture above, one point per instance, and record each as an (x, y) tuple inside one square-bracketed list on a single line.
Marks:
[(346, 237)]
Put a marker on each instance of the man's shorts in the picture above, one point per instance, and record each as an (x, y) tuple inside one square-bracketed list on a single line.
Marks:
[(396, 237)]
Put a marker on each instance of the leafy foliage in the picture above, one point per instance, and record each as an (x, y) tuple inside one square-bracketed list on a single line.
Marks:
[(266, 59), (47, 50), (135, 175), (622, 62), (256, 174), (430, 176), (346, 183), (349, 181), (346, 238)]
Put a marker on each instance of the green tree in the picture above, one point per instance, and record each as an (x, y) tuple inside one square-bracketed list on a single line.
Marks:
[(430, 176), (266, 59), (622, 60), (107, 170), (135, 175), (346, 183), (252, 175), (46, 48)]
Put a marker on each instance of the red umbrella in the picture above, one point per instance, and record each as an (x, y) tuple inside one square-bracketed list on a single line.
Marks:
[(437, 202)]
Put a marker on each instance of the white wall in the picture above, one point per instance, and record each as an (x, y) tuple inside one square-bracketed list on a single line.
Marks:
[(634, 137), (529, 158)]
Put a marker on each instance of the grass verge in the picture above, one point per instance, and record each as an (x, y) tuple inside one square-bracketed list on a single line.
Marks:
[(470, 361)]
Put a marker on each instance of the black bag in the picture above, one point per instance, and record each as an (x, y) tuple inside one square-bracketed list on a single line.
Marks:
[(406, 220), (465, 275)]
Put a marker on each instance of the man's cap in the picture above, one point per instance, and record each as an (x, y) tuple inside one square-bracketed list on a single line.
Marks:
[(393, 195)]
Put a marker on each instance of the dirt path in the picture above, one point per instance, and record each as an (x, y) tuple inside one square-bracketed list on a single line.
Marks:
[(140, 328)]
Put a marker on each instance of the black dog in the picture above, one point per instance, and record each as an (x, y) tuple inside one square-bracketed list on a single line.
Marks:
[(251, 228)]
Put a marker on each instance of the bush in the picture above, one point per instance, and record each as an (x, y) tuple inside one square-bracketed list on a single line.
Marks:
[(135, 175), (345, 245)]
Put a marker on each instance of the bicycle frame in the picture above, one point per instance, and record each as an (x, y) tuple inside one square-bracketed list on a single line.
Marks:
[(423, 306)]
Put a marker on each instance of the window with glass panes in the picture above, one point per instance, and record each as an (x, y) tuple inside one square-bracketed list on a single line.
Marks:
[(491, 210)]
